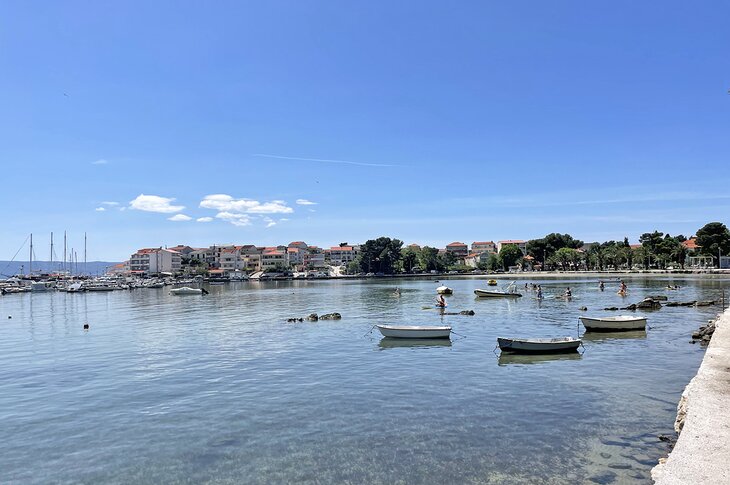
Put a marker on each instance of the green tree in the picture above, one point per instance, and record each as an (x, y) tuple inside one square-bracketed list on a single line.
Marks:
[(510, 255), (447, 259), (493, 262), (565, 258), (353, 267), (380, 255), (409, 258), (542, 249), (651, 241), (428, 259), (714, 238)]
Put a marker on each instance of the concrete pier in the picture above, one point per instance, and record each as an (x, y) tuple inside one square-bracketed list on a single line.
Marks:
[(702, 452)]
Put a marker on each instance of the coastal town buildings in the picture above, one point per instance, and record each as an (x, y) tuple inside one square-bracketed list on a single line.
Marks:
[(479, 247), (341, 255), (152, 261), (458, 249), (517, 242)]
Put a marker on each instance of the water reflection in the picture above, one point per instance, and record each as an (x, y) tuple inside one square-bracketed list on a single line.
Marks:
[(607, 336), (392, 343), (506, 358)]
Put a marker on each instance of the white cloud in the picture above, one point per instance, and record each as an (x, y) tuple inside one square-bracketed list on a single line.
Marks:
[(226, 203), (179, 218), (204, 219), (106, 202), (272, 223), (100, 209), (155, 203), (305, 202), (234, 218), (101, 161)]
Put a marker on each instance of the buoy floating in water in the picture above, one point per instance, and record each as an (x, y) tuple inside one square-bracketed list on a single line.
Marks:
[(10, 316), (86, 326)]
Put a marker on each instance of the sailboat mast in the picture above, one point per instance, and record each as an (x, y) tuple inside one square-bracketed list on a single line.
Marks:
[(64, 251), (30, 257), (86, 270), (51, 252)]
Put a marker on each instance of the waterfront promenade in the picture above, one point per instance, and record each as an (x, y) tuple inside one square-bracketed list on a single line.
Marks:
[(702, 450)]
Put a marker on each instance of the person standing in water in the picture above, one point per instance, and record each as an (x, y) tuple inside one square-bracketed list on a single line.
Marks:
[(568, 293), (601, 286), (539, 292)]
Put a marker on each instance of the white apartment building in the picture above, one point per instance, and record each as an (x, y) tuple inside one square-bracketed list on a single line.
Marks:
[(517, 242), (155, 261), (339, 255), (273, 256)]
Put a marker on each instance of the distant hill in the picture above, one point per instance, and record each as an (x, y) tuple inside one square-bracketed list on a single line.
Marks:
[(10, 268)]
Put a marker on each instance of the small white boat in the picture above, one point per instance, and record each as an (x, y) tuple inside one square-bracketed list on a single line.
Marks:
[(99, 287), (496, 294), (619, 322), (444, 290), (414, 331), (36, 286), (539, 345), (186, 290)]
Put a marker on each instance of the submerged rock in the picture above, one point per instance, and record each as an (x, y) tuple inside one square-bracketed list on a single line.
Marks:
[(331, 316), (313, 317), (466, 312)]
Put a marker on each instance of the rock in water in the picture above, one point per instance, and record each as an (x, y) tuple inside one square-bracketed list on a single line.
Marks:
[(331, 316), (313, 317), (466, 312)]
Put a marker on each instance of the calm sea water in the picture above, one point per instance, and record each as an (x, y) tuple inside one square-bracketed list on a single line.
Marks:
[(220, 389)]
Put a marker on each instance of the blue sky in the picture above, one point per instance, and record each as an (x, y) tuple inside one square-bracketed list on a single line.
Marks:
[(430, 122)]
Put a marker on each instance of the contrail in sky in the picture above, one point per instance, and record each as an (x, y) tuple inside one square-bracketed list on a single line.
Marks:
[(345, 162)]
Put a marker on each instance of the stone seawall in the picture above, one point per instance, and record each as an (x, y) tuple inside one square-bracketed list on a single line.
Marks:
[(702, 452)]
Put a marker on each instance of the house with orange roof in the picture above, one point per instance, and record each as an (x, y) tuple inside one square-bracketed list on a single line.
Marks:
[(483, 246), (458, 249), (273, 256)]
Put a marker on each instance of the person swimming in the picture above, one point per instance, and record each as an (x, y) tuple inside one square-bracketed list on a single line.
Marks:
[(568, 293)]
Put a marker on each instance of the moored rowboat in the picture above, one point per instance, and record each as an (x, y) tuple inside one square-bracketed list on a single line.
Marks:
[(444, 290), (539, 345), (414, 331), (619, 322), (492, 282)]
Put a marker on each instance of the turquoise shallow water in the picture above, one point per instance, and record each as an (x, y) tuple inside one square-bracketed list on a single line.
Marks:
[(219, 389)]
